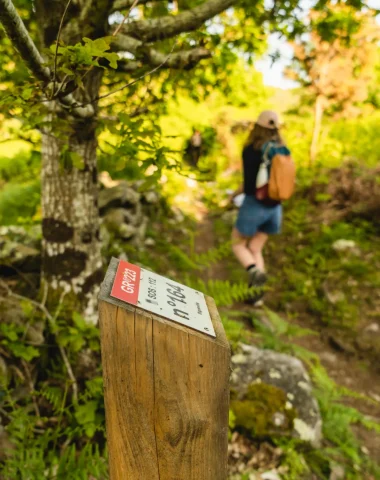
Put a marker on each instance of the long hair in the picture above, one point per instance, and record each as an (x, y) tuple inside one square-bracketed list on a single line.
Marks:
[(259, 135)]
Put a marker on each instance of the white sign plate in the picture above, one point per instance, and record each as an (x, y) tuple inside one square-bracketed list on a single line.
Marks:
[(162, 296)]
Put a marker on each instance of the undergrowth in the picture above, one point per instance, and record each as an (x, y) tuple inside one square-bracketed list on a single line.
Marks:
[(340, 446), (51, 394)]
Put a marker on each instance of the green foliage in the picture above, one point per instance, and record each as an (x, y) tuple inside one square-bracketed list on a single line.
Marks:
[(296, 463), (136, 147), (224, 292), (338, 418), (77, 334), (54, 395), (71, 57), (12, 338), (235, 330), (213, 255), (19, 202), (34, 458)]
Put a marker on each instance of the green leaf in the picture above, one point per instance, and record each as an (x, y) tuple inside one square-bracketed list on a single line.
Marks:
[(85, 415), (26, 352), (77, 160), (27, 93), (67, 70), (112, 58), (79, 321)]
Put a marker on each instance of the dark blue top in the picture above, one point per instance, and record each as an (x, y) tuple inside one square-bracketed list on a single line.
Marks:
[(251, 163)]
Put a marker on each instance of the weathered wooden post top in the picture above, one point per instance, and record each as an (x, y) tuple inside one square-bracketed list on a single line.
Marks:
[(166, 363)]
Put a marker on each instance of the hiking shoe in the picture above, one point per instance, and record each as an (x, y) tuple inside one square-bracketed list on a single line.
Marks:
[(257, 278)]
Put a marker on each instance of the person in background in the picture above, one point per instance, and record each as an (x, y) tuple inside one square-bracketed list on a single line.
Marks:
[(196, 146), (257, 218)]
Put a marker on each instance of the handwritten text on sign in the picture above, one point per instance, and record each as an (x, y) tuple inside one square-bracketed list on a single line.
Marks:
[(162, 296)]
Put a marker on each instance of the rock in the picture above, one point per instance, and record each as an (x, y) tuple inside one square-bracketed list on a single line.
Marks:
[(272, 395), (105, 235), (335, 297), (151, 197), (141, 231), (121, 223), (11, 311), (372, 328), (272, 475), (337, 473), (122, 195), (150, 242), (127, 231), (114, 219), (345, 246), (27, 235), (20, 249), (328, 357)]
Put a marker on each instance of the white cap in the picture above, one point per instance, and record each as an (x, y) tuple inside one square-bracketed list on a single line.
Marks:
[(268, 119)]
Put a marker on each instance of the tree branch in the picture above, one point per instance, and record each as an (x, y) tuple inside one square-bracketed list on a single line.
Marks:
[(57, 44), (171, 25), (185, 59), (16, 31), (124, 4), (150, 56), (18, 34)]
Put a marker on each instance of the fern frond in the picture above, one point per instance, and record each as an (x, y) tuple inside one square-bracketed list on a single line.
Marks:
[(213, 255), (54, 395), (224, 292)]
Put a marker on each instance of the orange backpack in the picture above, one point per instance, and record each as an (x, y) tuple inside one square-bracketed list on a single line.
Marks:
[(282, 174)]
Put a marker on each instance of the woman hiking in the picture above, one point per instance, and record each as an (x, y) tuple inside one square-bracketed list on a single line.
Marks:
[(259, 216)]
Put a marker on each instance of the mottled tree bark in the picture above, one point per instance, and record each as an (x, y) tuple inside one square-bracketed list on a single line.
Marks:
[(70, 226)]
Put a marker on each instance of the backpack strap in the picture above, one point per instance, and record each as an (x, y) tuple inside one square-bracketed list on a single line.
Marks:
[(270, 149), (266, 149)]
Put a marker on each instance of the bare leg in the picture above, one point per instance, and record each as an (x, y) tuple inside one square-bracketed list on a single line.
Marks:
[(241, 250), (256, 245)]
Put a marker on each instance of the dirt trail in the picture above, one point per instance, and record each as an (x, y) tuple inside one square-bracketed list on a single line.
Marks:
[(345, 368)]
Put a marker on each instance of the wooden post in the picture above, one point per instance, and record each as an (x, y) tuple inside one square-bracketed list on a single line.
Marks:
[(166, 390)]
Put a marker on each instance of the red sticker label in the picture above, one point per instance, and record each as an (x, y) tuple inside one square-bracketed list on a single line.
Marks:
[(127, 282)]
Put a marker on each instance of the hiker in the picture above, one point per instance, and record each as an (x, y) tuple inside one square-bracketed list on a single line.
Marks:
[(194, 147), (260, 214)]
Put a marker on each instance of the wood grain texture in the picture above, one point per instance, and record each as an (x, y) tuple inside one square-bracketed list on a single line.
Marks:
[(166, 395), (128, 393)]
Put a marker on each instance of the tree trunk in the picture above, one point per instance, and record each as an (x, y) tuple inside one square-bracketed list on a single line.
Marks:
[(71, 242), (71, 248), (318, 114)]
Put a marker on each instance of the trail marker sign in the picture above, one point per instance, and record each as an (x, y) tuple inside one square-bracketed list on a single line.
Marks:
[(166, 368), (157, 294)]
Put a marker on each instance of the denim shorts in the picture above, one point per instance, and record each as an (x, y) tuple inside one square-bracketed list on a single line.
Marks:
[(256, 217)]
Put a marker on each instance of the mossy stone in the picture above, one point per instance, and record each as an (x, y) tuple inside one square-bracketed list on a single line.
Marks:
[(258, 410)]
